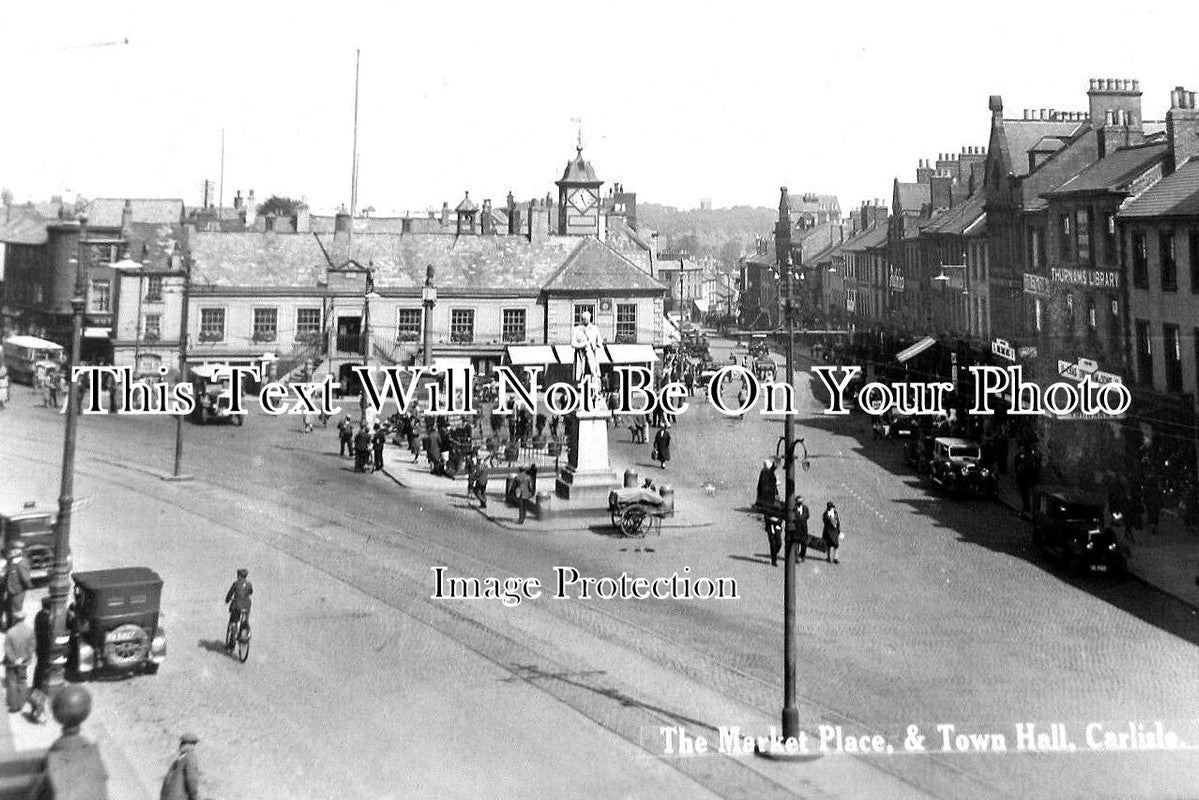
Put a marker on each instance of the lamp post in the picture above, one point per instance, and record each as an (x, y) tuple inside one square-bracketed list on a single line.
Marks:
[(428, 297), (60, 575), (177, 471), (368, 295)]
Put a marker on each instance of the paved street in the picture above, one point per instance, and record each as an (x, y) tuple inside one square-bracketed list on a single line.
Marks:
[(360, 686)]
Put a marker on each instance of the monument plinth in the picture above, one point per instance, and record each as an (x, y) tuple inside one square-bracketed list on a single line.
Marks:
[(588, 475)]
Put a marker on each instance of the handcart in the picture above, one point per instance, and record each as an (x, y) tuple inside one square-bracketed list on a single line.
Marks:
[(636, 510)]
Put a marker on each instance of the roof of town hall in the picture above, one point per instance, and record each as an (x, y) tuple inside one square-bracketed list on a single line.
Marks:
[(272, 260), (579, 170), (1174, 195)]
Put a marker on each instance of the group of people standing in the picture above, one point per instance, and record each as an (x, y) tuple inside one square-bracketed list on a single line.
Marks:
[(362, 444), (774, 514), (22, 644)]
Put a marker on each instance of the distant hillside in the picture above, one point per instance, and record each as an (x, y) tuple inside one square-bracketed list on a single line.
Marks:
[(721, 232)]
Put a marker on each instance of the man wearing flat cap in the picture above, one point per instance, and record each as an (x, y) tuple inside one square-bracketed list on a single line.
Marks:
[(182, 781), (238, 599), (17, 581)]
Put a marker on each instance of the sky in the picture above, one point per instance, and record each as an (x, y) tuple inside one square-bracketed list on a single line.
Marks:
[(678, 101)]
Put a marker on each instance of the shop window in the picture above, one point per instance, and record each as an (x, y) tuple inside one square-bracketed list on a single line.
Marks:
[(514, 325)]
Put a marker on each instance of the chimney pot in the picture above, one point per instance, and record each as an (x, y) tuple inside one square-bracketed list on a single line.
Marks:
[(1136, 85)]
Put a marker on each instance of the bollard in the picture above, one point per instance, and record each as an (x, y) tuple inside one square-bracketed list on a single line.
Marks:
[(667, 492), (632, 479), (545, 505)]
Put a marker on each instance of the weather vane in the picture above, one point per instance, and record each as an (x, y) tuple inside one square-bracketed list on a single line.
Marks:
[(579, 121)]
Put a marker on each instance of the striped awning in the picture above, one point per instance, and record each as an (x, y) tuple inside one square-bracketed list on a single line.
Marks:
[(911, 352)]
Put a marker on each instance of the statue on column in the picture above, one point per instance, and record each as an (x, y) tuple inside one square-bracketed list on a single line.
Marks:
[(585, 338)]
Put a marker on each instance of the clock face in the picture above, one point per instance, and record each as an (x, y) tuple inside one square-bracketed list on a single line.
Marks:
[(582, 200)]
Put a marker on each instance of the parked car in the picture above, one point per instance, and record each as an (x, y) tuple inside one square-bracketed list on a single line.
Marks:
[(35, 527), (891, 425), (955, 468), (213, 398), (114, 622), (1069, 527)]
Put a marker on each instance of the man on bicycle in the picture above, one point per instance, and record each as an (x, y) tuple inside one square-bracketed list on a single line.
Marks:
[(238, 598)]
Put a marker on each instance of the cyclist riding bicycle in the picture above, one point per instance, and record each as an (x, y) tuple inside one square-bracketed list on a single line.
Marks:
[(238, 598)]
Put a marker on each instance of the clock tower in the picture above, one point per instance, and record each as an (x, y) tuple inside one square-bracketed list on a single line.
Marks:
[(579, 212)]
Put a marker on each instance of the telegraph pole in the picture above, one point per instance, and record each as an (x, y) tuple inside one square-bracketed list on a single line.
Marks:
[(783, 255), (177, 473)]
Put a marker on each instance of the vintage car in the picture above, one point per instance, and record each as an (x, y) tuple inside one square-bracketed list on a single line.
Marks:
[(1069, 527), (114, 622), (34, 527), (955, 468), (213, 398), (765, 369), (891, 425)]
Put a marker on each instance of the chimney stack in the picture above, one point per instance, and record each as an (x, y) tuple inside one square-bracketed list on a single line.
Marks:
[(487, 222), (924, 172), (342, 227), (1113, 94), (251, 210), (127, 217), (1182, 128)]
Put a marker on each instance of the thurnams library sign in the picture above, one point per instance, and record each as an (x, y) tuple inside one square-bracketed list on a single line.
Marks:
[(1094, 278)]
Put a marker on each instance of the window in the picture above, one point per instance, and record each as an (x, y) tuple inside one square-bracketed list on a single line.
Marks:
[(1144, 354), (580, 308), (1036, 247), (1092, 319), (626, 322), (308, 323), (154, 288), (1172, 355), (1064, 239), (1082, 235), (1194, 254), (1140, 261), (152, 327), (514, 325), (266, 324), (408, 324), (1168, 265), (462, 325), (101, 296), (212, 324), (1109, 238), (1037, 313)]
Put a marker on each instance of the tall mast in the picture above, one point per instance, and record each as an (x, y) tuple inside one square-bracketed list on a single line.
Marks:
[(354, 165), (221, 189)]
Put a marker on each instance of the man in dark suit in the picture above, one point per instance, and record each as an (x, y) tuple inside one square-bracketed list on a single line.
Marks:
[(238, 598), (378, 440), (17, 581), (801, 528), (345, 434), (522, 489), (362, 449)]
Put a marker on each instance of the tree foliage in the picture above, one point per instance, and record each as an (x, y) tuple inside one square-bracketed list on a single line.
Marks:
[(722, 233), (279, 206)]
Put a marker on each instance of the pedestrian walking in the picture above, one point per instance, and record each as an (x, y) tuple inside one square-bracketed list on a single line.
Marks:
[(73, 767), (768, 486), (832, 532), (378, 441), (801, 529), (476, 482), (522, 492), (64, 392), (182, 781), (362, 448), (17, 581), (774, 536), (345, 435), (661, 451), (43, 635), (3, 387), (19, 649)]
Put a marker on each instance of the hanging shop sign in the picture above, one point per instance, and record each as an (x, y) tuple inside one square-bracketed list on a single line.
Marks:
[(1036, 284), (896, 283), (1003, 349)]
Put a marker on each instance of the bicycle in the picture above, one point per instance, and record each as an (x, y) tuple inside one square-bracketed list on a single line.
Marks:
[(237, 635)]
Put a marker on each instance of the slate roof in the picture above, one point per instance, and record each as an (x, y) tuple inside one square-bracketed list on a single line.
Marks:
[(152, 244), (874, 236), (105, 212), (578, 170), (25, 226), (594, 266), (480, 263), (324, 223), (1116, 171), (1025, 134), (914, 196), (1174, 195), (955, 221), (467, 204)]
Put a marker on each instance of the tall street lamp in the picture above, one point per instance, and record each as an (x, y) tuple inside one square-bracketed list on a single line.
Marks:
[(177, 472), (428, 298), (60, 576), (368, 294)]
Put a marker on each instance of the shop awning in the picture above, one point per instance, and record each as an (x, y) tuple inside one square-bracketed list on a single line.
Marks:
[(444, 363), (702, 305), (631, 354), (531, 355), (911, 352), (32, 342), (96, 333)]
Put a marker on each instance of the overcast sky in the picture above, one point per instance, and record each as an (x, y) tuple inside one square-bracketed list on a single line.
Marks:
[(678, 100)]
